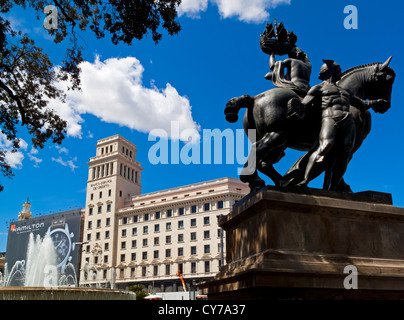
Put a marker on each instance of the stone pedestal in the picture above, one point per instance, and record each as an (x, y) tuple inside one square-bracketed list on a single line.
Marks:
[(294, 244)]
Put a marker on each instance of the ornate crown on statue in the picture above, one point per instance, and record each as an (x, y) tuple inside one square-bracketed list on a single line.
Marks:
[(277, 40)]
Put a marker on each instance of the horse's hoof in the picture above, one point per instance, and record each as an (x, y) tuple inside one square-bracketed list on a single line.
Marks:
[(231, 117)]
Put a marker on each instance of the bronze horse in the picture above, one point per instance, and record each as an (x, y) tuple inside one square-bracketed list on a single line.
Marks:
[(275, 130)]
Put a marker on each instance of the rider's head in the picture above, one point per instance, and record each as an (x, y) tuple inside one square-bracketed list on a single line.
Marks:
[(296, 53), (330, 69)]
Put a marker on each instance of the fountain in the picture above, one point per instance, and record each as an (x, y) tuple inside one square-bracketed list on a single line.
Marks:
[(38, 277)]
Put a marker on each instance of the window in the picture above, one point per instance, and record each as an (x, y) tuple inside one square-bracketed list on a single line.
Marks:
[(206, 220), (143, 271), (181, 238), (92, 197), (206, 206), (98, 236), (134, 243), (193, 250), (123, 232), (134, 231), (144, 255), (98, 223), (168, 253), (132, 271), (107, 234), (146, 217), (168, 269), (169, 213), (206, 234), (122, 257), (156, 241), (90, 211), (108, 208), (123, 245), (206, 248), (220, 204), (181, 211), (180, 224), (168, 226), (133, 256), (193, 209), (105, 259), (125, 220), (144, 242), (207, 266), (193, 236), (193, 267), (135, 218), (157, 216), (193, 222), (145, 229), (156, 228), (100, 194), (99, 209), (168, 239), (155, 271), (109, 192), (180, 252), (106, 246), (156, 254), (108, 222)]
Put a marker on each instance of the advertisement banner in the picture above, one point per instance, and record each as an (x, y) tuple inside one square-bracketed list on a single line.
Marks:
[(43, 251)]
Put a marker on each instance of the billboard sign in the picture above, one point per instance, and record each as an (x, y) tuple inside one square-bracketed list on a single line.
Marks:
[(43, 251)]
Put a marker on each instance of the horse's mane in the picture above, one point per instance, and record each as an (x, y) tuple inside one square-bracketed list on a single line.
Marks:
[(363, 66)]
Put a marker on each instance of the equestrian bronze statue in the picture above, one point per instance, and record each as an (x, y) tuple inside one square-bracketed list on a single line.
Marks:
[(329, 120)]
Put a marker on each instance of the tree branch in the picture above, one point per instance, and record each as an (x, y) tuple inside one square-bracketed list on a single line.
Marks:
[(16, 99)]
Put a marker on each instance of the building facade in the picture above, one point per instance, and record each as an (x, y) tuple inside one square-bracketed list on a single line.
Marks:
[(133, 238)]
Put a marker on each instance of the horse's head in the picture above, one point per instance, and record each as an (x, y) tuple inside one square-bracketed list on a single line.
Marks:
[(372, 81), (380, 84)]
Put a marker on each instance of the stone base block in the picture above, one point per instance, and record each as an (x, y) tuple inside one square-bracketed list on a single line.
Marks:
[(296, 244)]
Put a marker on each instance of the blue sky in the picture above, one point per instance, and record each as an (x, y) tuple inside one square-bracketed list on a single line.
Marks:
[(129, 90)]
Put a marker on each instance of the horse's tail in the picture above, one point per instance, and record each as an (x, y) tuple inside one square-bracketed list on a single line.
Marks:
[(234, 106)]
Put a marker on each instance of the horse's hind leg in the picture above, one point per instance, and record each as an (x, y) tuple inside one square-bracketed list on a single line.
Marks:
[(269, 151), (263, 150), (267, 168)]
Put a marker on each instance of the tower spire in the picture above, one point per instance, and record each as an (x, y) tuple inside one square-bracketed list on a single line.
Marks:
[(25, 214)]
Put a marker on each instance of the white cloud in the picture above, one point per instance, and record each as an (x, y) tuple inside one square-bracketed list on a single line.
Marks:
[(68, 163), (14, 159), (192, 8), (62, 150), (112, 90), (35, 159), (256, 11)]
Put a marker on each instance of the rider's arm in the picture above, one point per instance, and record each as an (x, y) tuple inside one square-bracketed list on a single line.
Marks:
[(272, 62), (360, 103), (379, 105)]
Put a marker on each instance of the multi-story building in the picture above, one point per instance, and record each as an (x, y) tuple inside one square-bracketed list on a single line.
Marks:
[(133, 238)]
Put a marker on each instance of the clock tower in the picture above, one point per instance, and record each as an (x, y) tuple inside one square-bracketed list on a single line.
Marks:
[(114, 175)]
